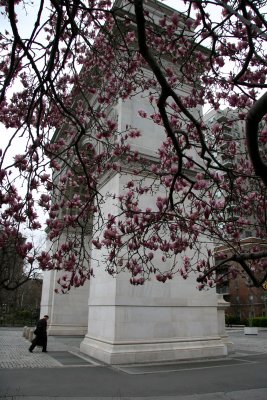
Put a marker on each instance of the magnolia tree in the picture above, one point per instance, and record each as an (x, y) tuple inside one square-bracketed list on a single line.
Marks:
[(60, 82)]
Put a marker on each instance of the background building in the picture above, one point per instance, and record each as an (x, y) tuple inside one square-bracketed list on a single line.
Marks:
[(21, 306), (20, 285), (245, 300)]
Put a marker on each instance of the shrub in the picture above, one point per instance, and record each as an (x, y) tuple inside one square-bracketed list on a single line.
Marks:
[(23, 314), (232, 320), (259, 322)]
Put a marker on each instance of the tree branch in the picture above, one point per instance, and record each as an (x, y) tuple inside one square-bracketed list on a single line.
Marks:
[(254, 117)]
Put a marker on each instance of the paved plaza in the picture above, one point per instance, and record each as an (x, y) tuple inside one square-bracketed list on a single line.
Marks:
[(65, 373)]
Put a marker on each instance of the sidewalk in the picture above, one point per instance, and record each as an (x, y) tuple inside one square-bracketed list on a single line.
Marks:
[(14, 351), (65, 373)]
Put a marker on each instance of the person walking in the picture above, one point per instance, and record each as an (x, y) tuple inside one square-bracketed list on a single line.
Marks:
[(41, 335)]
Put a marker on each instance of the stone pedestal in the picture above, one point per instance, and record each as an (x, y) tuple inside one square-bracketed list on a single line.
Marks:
[(153, 324), (157, 322), (250, 330), (222, 306), (68, 313)]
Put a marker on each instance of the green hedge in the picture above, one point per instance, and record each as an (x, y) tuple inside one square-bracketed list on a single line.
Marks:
[(232, 320), (259, 322), (19, 318)]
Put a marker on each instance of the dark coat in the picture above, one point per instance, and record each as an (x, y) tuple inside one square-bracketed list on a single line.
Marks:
[(40, 332)]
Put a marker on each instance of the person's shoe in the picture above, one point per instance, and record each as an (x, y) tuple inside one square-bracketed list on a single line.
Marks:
[(44, 351), (30, 350)]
